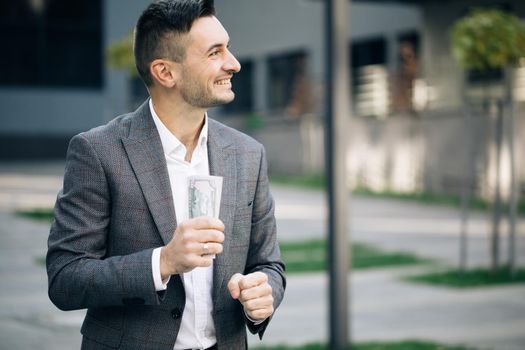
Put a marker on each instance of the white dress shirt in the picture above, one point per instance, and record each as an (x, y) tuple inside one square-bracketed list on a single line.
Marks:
[(197, 329)]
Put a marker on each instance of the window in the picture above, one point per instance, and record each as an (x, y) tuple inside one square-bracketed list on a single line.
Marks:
[(51, 43), (243, 87), (370, 78), (368, 52), (285, 73), (404, 80)]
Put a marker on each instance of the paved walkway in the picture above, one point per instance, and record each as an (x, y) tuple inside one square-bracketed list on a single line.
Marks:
[(383, 306)]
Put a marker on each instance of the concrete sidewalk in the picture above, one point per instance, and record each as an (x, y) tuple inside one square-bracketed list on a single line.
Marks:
[(383, 306)]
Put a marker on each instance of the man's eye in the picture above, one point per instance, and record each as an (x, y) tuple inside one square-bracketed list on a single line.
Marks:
[(214, 53)]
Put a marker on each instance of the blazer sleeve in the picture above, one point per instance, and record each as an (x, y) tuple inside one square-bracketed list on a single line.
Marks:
[(264, 254), (80, 275)]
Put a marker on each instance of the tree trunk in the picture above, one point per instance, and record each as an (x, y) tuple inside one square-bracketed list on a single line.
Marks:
[(466, 188)]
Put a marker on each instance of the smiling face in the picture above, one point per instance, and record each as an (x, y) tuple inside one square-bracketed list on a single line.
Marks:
[(208, 66)]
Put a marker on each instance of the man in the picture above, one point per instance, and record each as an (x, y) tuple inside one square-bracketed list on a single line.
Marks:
[(121, 244)]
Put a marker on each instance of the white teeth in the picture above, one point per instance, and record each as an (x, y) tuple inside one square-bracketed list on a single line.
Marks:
[(223, 82)]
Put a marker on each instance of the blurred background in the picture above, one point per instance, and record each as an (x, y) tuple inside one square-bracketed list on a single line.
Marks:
[(435, 158)]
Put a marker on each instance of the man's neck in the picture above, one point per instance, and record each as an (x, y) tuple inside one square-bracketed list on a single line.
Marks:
[(182, 120)]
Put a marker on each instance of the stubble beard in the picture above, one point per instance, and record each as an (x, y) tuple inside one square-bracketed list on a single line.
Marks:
[(196, 95)]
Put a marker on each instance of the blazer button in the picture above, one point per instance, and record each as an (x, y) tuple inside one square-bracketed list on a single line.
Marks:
[(176, 313)]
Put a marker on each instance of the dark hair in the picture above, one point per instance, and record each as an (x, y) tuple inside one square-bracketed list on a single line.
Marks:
[(159, 28)]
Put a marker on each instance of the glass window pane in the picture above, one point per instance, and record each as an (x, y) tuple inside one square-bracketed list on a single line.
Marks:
[(52, 43)]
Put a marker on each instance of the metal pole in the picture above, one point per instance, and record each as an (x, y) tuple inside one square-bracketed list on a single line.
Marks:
[(497, 113), (513, 200), (336, 133)]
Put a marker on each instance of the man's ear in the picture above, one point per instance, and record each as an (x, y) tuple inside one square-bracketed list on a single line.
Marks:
[(163, 72)]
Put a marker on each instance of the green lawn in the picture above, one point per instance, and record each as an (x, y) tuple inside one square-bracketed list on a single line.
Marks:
[(317, 181), (470, 278), (41, 214), (314, 181), (401, 345), (310, 256)]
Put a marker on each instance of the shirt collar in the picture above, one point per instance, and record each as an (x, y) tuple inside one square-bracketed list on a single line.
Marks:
[(170, 143)]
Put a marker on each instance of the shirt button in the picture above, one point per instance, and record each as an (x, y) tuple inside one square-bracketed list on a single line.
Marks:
[(176, 313)]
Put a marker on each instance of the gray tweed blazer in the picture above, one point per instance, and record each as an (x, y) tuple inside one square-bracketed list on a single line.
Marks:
[(116, 206)]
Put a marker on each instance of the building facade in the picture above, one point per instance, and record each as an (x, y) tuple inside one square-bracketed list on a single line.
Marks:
[(56, 83)]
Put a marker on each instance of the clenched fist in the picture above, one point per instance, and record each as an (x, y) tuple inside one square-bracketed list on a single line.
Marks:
[(255, 294)]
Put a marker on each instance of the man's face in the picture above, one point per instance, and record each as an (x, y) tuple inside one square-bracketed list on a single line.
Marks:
[(208, 65)]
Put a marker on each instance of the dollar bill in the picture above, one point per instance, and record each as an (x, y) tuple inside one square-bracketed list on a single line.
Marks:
[(204, 195)]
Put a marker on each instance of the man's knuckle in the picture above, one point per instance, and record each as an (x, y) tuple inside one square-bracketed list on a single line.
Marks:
[(187, 246), (207, 221), (264, 276), (243, 283), (186, 238), (261, 313), (183, 226), (231, 285)]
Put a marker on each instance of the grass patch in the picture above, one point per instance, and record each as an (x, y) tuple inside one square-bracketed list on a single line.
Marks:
[(476, 203), (423, 197), (310, 256), (41, 261), (40, 214), (318, 181), (313, 181), (399, 345), (471, 278)]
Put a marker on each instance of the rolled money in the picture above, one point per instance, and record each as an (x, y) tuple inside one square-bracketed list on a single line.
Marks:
[(204, 196)]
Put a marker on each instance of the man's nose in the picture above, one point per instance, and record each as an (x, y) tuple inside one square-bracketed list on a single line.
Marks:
[(231, 64)]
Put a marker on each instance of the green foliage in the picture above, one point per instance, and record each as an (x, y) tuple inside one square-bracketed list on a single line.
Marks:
[(488, 39), (119, 55), (471, 278)]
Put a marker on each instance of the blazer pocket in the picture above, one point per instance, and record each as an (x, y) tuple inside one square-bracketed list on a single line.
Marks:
[(97, 332)]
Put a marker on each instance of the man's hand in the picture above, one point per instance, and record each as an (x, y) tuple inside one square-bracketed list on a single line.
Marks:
[(255, 294), (193, 245)]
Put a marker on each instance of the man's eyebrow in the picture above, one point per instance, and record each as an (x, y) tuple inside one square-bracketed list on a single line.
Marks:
[(218, 45)]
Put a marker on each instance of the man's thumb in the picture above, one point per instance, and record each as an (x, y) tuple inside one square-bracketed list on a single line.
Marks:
[(233, 286)]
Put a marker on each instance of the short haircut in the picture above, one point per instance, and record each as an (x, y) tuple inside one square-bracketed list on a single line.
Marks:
[(158, 33)]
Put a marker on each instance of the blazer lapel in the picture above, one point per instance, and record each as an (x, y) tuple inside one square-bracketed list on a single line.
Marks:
[(146, 155), (144, 150), (222, 160)]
